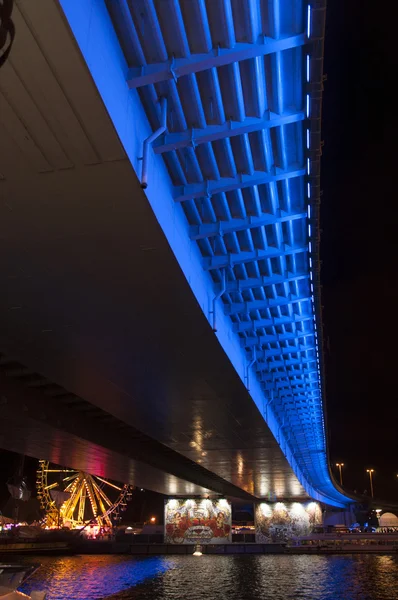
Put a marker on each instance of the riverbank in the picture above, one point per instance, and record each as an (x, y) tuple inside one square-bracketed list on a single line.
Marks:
[(146, 549), (106, 547), (38, 548)]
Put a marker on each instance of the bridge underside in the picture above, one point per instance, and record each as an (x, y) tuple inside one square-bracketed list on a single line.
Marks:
[(86, 291), (95, 300), (33, 435), (42, 420)]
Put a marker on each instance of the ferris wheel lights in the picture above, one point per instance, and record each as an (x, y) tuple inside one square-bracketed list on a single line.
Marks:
[(82, 491)]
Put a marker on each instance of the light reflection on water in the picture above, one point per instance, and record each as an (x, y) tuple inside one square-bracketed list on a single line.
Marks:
[(259, 577), (92, 577)]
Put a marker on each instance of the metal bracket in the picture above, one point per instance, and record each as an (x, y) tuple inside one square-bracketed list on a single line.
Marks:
[(171, 69)]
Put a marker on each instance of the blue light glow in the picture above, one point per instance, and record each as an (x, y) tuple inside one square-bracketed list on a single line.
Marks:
[(96, 36), (110, 576), (308, 166), (309, 230)]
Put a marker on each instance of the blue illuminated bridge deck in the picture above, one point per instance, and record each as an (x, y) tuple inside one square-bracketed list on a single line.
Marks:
[(233, 89), (241, 86)]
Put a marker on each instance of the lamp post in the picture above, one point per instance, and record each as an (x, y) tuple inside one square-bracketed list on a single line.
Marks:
[(340, 466), (371, 471)]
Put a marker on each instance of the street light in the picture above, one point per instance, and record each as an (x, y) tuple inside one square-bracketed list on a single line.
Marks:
[(340, 466), (371, 471)]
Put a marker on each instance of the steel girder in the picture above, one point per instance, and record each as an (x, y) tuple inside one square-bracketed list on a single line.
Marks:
[(242, 150)]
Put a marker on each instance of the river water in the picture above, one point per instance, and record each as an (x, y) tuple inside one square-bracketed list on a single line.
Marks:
[(259, 577)]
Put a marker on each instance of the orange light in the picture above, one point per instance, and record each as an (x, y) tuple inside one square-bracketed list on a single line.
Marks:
[(153, 519)]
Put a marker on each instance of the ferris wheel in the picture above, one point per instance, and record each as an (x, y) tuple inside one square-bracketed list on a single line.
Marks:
[(75, 498)]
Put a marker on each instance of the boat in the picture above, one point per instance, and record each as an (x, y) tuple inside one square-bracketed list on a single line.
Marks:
[(11, 577)]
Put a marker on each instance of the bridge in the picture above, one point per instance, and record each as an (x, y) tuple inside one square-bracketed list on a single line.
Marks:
[(160, 317)]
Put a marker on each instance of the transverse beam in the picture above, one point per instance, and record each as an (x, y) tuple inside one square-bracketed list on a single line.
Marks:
[(217, 57), (194, 137), (229, 260), (206, 230), (247, 307), (271, 322), (227, 184)]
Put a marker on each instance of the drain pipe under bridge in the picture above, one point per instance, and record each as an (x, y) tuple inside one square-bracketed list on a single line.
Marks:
[(152, 138)]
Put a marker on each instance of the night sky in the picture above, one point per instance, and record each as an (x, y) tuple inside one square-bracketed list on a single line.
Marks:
[(359, 244), (358, 249)]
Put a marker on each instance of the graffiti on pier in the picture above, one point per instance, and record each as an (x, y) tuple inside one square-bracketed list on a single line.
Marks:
[(197, 521)]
